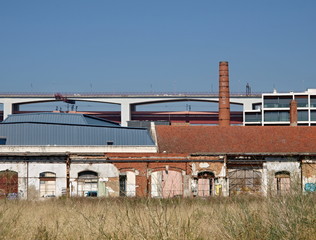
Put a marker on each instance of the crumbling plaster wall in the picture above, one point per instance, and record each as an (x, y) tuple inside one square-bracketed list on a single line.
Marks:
[(272, 166), (34, 173), (218, 168), (108, 175), (309, 175), (29, 173)]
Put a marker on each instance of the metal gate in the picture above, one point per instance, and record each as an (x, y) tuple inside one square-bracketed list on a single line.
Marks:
[(244, 181)]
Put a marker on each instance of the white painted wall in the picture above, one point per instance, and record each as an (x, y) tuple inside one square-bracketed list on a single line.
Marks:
[(270, 168), (58, 168), (156, 187), (130, 184), (104, 170), (32, 171)]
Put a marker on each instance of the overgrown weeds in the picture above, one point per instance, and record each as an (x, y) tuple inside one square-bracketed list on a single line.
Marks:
[(242, 217)]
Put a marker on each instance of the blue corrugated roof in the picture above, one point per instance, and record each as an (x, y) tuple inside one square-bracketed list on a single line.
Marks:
[(69, 129), (58, 118), (54, 134)]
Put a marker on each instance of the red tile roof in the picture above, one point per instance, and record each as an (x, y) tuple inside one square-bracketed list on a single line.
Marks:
[(236, 139)]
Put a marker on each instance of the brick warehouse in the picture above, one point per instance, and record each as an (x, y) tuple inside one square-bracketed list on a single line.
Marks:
[(63, 155)]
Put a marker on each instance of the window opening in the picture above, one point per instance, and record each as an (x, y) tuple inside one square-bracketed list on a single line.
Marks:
[(87, 184), (205, 182), (283, 182), (244, 181), (47, 184), (123, 180)]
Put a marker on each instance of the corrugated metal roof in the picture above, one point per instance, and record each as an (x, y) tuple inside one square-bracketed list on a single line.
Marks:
[(58, 118), (58, 134)]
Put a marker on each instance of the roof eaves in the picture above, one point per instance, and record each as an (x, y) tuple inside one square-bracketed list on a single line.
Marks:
[(68, 124)]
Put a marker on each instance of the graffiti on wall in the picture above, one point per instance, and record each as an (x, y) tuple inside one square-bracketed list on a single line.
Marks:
[(310, 187)]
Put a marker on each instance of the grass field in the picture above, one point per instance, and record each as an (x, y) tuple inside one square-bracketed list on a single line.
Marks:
[(243, 217)]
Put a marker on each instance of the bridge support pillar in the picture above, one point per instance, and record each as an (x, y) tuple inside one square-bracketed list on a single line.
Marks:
[(126, 113), (7, 109)]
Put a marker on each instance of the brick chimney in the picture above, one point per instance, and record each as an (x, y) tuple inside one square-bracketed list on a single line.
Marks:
[(293, 113), (224, 105)]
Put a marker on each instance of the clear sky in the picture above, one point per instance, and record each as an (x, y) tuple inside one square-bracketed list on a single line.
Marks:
[(156, 46)]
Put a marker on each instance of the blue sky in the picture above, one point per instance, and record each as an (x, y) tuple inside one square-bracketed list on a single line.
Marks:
[(156, 46)]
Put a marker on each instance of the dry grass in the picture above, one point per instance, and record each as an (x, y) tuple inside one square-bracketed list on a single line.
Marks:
[(290, 217)]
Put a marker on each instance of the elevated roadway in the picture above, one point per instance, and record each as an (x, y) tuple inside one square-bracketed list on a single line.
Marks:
[(127, 101)]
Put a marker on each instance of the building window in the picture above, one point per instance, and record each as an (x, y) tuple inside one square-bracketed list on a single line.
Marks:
[(257, 106), (3, 140), (205, 183), (302, 101), (244, 181), (47, 184), (282, 181), (302, 115), (252, 117), (123, 180), (313, 115), (313, 101), (87, 183), (277, 116), (277, 102)]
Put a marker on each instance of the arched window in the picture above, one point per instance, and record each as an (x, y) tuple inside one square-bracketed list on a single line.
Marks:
[(88, 183), (47, 184), (205, 183)]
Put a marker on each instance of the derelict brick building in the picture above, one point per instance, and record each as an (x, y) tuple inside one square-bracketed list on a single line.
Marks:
[(56, 154)]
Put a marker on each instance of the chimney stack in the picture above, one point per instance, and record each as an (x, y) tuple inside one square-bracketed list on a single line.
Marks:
[(293, 113), (224, 105)]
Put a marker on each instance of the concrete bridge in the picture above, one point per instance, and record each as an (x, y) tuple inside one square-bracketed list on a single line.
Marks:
[(127, 101)]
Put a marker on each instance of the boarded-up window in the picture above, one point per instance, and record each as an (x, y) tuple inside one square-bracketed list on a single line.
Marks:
[(166, 184), (87, 183), (283, 182), (205, 184), (244, 181), (47, 184), (8, 183)]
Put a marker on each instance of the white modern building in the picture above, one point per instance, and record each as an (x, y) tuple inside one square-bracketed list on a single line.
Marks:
[(274, 109)]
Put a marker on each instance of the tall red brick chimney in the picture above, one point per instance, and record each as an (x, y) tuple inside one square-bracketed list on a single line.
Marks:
[(293, 113), (224, 105)]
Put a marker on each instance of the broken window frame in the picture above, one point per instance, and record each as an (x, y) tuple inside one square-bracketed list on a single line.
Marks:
[(249, 181), (283, 182), (87, 181), (47, 184)]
